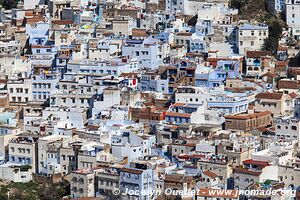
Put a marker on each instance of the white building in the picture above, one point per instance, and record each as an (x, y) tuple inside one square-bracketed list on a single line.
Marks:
[(48, 157), (23, 150), (293, 17), (83, 183), (147, 52), (20, 90), (251, 37), (287, 127), (113, 67), (75, 116), (137, 179), (16, 172)]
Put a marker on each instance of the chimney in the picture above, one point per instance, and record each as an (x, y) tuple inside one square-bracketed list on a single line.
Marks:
[(107, 148), (125, 160), (251, 109)]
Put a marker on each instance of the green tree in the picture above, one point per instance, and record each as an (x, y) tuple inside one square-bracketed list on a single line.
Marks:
[(54, 191), (275, 31), (237, 4), (270, 44), (16, 191), (9, 4)]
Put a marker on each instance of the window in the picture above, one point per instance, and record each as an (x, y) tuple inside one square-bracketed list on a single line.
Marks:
[(294, 128)]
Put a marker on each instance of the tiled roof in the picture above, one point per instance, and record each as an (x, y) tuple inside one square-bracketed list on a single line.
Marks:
[(268, 95), (246, 171), (269, 74), (210, 174), (281, 64), (282, 48), (257, 54), (62, 22), (256, 162), (288, 84), (293, 95), (132, 170), (176, 114), (178, 178), (178, 104), (184, 34), (248, 116), (139, 33)]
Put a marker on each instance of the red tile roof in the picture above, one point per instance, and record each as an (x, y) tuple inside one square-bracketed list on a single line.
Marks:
[(269, 74), (178, 104), (268, 95), (288, 84), (178, 178), (293, 95), (210, 174), (281, 64), (62, 22), (132, 171), (257, 54), (256, 162), (282, 48), (246, 171), (184, 34), (176, 114), (248, 116), (139, 33)]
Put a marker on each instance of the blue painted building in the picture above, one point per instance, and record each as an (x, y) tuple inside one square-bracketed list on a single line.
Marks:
[(227, 103), (216, 77), (180, 113)]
